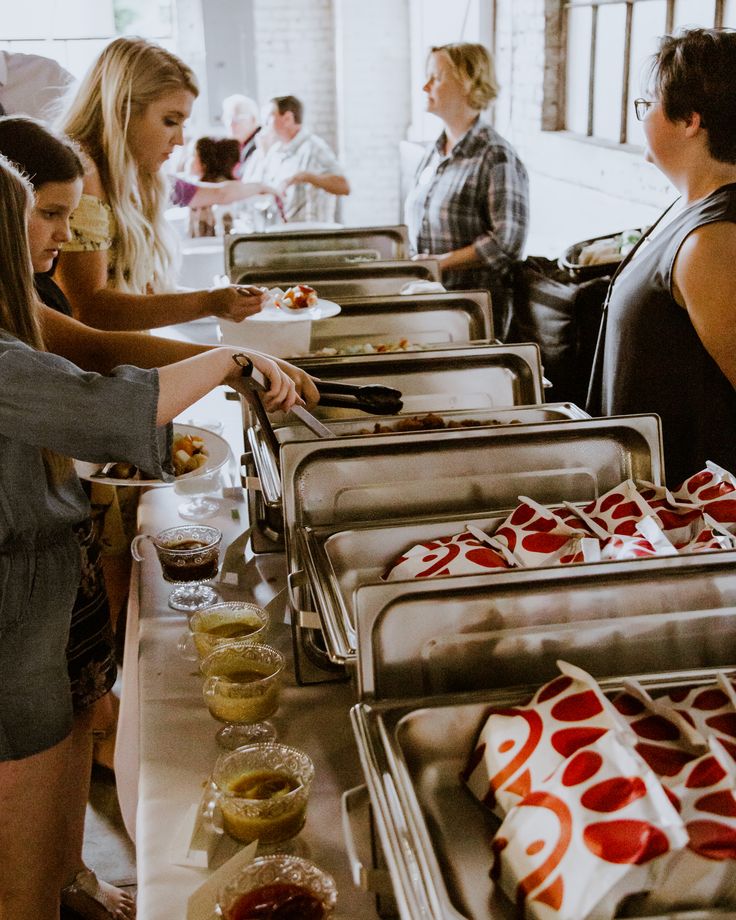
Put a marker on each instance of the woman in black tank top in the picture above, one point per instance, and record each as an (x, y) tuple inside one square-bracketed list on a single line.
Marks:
[(670, 336)]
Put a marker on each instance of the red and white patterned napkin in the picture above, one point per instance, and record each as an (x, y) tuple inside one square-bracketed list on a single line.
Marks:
[(599, 828), (704, 873), (460, 554), (519, 746)]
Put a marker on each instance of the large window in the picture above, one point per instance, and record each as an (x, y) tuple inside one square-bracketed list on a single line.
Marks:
[(75, 31), (608, 44)]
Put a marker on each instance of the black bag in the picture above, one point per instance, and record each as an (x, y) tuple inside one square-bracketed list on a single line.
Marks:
[(563, 317)]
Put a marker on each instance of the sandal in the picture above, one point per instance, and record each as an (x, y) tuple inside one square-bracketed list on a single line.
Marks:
[(96, 900)]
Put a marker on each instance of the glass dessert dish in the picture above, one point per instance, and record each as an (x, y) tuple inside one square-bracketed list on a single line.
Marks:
[(242, 685), (262, 792), (189, 557), (279, 888), (213, 626)]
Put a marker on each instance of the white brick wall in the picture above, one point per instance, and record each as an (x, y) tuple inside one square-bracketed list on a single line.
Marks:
[(295, 55), (373, 104)]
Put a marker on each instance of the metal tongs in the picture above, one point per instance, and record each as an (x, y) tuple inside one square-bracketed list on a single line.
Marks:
[(372, 397), (257, 384)]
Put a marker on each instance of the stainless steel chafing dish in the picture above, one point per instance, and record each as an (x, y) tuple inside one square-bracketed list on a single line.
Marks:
[(379, 495), (471, 379), (333, 282), (434, 835), (423, 319), (305, 246)]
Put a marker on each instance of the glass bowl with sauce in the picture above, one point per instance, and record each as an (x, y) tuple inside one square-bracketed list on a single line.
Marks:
[(242, 686), (226, 622), (262, 792), (189, 556), (278, 888)]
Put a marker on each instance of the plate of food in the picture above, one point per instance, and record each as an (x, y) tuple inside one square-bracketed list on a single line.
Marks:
[(301, 301), (195, 452)]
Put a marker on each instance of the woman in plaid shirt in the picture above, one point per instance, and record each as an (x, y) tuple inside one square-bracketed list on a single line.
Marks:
[(469, 207)]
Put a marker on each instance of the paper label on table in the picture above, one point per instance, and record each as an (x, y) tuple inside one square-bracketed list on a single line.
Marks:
[(202, 902), (195, 840)]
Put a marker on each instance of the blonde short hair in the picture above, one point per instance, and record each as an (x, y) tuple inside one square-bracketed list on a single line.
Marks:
[(472, 65)]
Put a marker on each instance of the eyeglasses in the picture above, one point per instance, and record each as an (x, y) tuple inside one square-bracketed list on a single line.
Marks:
[(642, 106)]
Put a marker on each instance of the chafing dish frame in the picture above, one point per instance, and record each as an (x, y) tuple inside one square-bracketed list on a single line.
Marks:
[(428, 883), (390, 242)]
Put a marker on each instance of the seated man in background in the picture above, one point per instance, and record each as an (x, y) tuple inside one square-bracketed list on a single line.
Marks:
[(299, 164), (241, 119)]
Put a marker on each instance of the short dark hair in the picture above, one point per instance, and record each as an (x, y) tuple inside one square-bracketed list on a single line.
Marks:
[(289, 104), (219, 156), (40, 153), (695, 71)]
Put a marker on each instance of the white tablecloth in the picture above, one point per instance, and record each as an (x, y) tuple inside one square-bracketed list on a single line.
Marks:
[(166, 738)]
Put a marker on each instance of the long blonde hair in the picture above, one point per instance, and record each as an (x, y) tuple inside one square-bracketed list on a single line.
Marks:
[(129, 75), (18, 300)]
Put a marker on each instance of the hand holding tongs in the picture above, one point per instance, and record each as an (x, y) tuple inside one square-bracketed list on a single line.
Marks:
[(257, 384)]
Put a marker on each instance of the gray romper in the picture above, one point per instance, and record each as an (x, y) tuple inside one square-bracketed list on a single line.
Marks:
[(45, 401)]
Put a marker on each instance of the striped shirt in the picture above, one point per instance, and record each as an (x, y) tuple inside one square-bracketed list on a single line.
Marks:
[(477, 194)]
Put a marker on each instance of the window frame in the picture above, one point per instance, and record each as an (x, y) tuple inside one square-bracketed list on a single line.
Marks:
[(594, 6)]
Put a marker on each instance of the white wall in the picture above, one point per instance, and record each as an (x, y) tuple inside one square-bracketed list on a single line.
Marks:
[(374, 98)]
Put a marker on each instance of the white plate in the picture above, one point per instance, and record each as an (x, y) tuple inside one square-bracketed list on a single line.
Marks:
[(321, 310), (218, 452)]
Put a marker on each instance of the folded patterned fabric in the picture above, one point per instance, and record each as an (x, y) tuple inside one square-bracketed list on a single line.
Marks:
[(461, 554)]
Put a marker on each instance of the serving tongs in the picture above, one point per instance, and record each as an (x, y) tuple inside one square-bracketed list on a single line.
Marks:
[(373, 398), (255, 384)]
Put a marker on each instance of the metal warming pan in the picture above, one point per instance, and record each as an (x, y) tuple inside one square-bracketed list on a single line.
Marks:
[(401, 488), (434, 835), (337, 244), (467, 378), (334, 282), (423, 319)]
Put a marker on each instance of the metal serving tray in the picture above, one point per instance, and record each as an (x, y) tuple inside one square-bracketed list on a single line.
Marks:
[(465, 376), (434, 834), (424, 319), (261, 249), (415, 638), (468, 378), (409, 486), (333, 282), (267, 462)]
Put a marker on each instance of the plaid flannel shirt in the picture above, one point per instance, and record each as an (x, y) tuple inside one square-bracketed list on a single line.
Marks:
[(477, 194)]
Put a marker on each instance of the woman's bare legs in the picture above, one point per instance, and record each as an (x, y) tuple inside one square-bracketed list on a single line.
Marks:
[(119, 903), (32, 805)]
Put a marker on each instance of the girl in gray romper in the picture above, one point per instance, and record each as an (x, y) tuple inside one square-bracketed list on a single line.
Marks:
[(51, 410)]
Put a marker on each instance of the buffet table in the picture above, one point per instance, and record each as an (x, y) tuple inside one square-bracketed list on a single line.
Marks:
[(166, 739)]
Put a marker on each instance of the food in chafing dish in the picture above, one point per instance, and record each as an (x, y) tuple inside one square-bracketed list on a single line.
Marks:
[(367, 348), (299, 297), (188, 453), (605, 800), (632, 520), (432, 421)]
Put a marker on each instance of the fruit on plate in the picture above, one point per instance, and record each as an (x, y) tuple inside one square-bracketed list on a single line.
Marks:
[(299, 297), (188, 453)]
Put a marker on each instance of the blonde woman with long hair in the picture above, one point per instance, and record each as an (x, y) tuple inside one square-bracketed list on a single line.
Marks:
[(118, 270), (51, 410)]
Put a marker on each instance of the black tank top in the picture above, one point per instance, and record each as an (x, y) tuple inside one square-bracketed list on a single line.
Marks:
[(654, 360)]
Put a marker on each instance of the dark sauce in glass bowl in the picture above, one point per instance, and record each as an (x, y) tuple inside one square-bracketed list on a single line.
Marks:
[(279, 901)]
